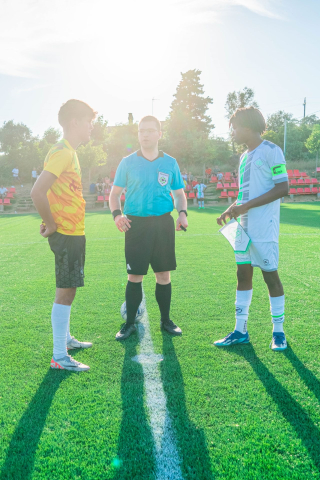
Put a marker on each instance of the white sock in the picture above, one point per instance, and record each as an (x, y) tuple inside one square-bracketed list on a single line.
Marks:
[(277, 312), (243, 300), (60, 321), (69, 338)]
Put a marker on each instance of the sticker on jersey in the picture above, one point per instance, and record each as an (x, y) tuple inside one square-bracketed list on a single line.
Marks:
[(163, 178), (259, 163), (266, 261)]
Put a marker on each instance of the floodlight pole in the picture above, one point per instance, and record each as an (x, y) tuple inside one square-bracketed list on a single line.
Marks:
[(152, 103), (304, 107), (285, 138)]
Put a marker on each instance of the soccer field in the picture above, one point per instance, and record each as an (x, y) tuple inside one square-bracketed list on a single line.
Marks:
[(239, 413)]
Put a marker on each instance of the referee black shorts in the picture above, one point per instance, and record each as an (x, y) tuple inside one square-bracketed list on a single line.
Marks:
[(69, 252), (150, 240)]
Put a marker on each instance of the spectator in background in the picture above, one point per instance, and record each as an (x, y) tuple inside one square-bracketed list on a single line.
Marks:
[(194, 181), (184, 176), (190, 177), (220, 176), (200, 188), (3, 192), (34, 175), (208, 173), (15, 173)]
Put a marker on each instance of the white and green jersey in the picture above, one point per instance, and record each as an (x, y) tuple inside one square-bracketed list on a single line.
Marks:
[(200, 187), (259, 171)]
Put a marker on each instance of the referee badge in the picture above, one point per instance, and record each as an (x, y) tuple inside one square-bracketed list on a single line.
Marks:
[(163, 178)]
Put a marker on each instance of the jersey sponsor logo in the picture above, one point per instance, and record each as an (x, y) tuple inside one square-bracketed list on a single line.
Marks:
[(259, 163), (163, 178), (266, 261)]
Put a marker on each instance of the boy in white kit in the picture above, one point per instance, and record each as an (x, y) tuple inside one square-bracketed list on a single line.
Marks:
[(263, 180)]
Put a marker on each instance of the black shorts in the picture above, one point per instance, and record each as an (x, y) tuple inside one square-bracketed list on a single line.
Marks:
[(69, 252), (150, 240)]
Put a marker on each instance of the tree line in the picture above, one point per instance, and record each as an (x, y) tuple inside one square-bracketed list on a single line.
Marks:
[(188, 135)]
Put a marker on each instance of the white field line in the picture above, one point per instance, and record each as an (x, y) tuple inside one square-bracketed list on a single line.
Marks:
[(179, 236), (166, 452)]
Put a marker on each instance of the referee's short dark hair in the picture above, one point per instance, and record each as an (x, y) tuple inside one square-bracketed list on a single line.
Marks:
[(249, 117), (151, 118), (75, 109)]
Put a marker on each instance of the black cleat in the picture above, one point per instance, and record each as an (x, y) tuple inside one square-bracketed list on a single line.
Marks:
[(170, 327), (125, 332)]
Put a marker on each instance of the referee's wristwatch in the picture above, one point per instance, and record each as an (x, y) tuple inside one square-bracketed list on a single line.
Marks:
[(184, 211)]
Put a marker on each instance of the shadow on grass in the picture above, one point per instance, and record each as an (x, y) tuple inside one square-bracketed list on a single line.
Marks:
[(308, 377), (135, 458), (20, 457), (289, 408), (190, 440)]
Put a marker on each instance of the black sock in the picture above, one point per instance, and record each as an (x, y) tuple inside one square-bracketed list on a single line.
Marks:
[(163, 297), (133, 300)]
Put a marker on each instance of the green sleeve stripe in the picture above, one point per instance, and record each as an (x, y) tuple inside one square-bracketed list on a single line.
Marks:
[(278, 169)]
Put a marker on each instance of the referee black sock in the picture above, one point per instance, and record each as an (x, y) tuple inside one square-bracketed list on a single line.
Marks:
[(163, 297), (133, 300)]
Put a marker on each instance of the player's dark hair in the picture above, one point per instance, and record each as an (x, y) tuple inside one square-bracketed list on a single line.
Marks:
[(75, 109), (151, 118), (249, 117)]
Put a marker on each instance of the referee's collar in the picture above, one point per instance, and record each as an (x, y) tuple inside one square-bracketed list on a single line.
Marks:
[(140, 154)]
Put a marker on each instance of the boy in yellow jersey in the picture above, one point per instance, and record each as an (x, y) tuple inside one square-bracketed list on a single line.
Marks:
[(57, 195)]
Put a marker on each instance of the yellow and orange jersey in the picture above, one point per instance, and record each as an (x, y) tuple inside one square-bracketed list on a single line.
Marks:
[(65, 198)]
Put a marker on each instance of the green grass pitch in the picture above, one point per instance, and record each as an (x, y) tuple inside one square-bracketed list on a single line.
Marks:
[(242, 413)]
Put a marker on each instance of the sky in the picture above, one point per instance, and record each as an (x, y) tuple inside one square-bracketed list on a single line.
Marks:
[(118, 56)]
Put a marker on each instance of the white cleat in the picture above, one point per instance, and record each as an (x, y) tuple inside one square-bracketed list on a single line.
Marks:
[(68, 363), (74, 344)]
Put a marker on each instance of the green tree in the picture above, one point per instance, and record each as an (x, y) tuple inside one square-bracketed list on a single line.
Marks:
[(14, 136), (90, 156), (276, 121), (240, 99), (51, 136), (313, 142), (100, 134), (122, 140), (188, 126)]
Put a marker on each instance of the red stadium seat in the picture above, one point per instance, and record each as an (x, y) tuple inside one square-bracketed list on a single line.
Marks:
[(227, 175), (290, 173), (9, 195), (296, 173), (233, 185), (100, 199), (6, 201), (192, 195), (307, 191), (314, 180), (300, 191), (219, 186), (292, 191), (307, 181), (314, 190), (300, 181), (293, 182), (226, 185), (12, 190), (223, 195), (231, 193), (318, 169), (106, 198), (303, 174)]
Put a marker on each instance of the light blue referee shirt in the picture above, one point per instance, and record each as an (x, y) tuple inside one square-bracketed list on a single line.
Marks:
[(148, 183)]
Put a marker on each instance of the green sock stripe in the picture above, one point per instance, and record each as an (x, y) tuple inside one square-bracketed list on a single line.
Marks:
[(277, 316)]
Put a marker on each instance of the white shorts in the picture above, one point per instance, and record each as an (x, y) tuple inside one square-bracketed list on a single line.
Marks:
[(264, 255)]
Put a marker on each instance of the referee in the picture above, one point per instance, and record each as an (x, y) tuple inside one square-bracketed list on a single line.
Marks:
[(149, 175)]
